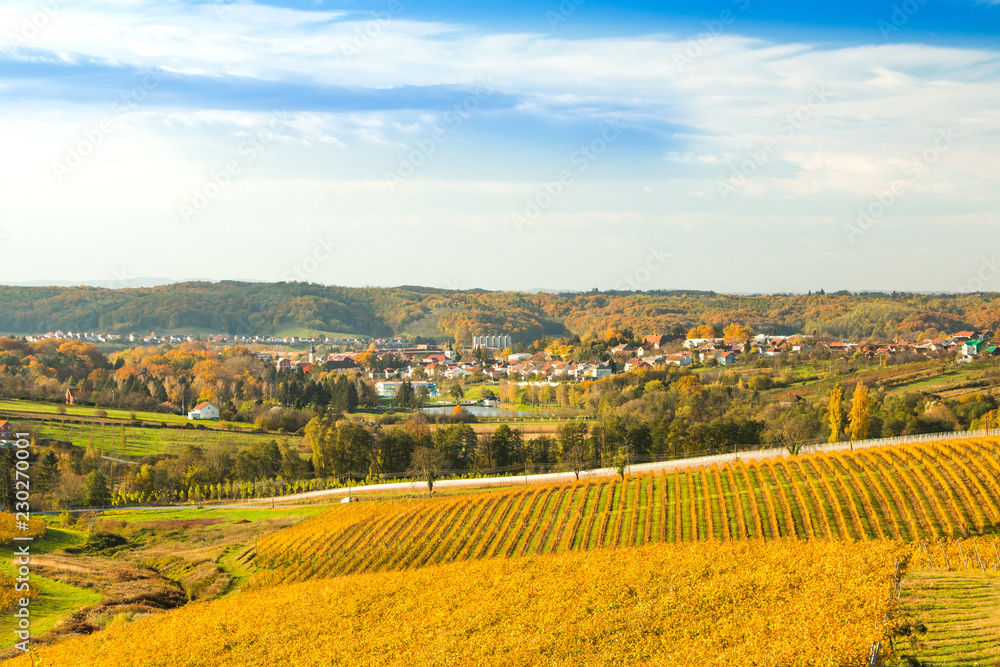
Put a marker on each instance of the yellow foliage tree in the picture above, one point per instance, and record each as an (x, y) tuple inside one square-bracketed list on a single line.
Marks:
[(835, 413), (703, 331), (860, 413), (689, 385), (737, 333)]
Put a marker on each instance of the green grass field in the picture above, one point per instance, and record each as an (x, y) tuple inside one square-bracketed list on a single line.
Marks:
[(145, 441), (58, 600), (42, 408), (475, 393), (937, 382), (106, 435), (961, 614), (186, 514)]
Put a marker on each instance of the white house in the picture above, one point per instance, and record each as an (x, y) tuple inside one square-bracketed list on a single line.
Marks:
[(389, 387), (456, 372), (692, 343), (679, 360), (204, 411)]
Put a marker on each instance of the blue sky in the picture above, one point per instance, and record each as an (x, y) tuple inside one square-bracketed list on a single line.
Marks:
[(738, 145)]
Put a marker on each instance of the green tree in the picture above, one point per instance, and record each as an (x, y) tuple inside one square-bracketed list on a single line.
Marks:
[(96, 492), (48, 473), (405, 396), (7, 469), (621, 461), (835, 413), (319, 437), (338, 447)]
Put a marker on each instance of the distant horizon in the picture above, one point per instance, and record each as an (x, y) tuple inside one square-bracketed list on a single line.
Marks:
[(146, 283)]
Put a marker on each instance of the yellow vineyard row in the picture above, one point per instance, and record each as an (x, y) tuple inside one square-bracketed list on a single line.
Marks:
[(803, 604), (905, 493)]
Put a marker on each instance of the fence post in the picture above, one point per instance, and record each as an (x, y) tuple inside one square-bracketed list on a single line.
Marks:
[(873, 656)]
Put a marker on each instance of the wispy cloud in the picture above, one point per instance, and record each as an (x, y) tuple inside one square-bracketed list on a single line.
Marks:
[(349, 121)]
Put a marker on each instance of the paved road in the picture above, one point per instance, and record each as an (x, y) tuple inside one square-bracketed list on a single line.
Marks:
[(657, 466), (556, 477)]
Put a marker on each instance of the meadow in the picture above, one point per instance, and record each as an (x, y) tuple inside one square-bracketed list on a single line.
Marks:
[(950, 617), (51, 600), (9, 405), (142, 441)]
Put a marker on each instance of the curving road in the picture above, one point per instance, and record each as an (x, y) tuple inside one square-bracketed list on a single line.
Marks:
[(656, 466)]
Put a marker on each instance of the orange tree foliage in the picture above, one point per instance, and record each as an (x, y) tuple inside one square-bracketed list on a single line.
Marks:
[(9, 596), (689, 385), (53, 358), (737, 333), (703, 331), (753, 602), (9, 529)]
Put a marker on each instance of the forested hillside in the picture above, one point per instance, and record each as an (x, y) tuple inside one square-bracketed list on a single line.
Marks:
[(268, 308)]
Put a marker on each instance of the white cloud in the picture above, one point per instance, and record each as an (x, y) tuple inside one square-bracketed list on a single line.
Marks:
[(883, 107)]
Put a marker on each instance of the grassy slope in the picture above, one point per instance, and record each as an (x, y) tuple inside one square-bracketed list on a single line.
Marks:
[(185, 514), (961, 611), (58, 600), (139, 441), (39, 407), (142, 441)]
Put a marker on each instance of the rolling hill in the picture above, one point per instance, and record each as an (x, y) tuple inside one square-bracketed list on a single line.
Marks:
[(266, 308), (662, 604)]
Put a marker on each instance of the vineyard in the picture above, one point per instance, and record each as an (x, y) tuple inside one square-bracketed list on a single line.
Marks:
[(802, 603), (907, 493)]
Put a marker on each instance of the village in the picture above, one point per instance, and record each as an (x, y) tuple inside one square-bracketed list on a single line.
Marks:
[(425, 366)]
